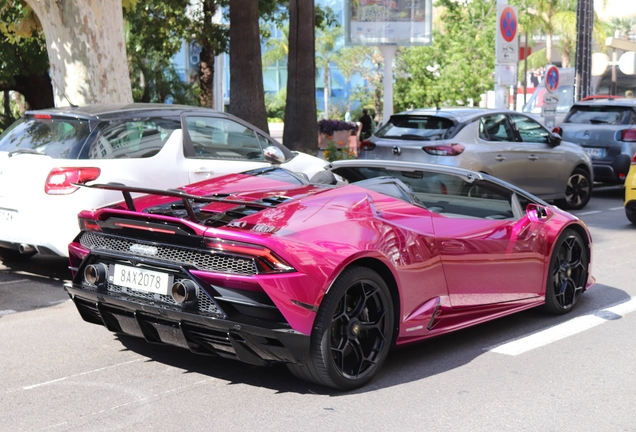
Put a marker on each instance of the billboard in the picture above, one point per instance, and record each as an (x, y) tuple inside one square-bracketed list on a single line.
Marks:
[(388, 22)]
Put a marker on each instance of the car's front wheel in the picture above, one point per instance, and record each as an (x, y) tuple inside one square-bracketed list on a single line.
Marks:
[(352, 333), (578, 191), (568, 273)]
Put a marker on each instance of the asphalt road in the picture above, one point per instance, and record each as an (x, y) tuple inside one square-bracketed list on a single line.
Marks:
[(527, 372)]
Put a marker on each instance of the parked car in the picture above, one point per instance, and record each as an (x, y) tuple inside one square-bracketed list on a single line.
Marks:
[(501, 143), (630, 192), (265, 267), (606, 129), (164, 146)]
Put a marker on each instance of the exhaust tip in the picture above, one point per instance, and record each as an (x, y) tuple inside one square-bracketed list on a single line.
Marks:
[(26, 249), (184, 292), (95, 274)]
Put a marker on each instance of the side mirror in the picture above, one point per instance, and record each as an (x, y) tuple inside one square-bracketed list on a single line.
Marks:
[(538, 213), (555, 139), (274, 155)]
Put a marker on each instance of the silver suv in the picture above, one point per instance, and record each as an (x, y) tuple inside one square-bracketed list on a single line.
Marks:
[(606, 129)]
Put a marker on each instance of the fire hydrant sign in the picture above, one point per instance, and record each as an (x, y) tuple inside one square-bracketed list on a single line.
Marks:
[(507, 29)]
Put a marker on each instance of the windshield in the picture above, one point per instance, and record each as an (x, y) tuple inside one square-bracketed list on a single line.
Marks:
[(601, 114), (58, 138), (565, 94), (422, 128)]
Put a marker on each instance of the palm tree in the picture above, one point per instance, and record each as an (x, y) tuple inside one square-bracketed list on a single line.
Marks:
[(326, 50), (277, 48)]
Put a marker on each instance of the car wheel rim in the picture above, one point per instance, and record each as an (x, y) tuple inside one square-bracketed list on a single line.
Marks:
[(577, 190), (569, 272), (359, 330)]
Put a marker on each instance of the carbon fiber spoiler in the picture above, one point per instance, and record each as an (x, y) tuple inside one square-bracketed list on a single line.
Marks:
[(186, 198)]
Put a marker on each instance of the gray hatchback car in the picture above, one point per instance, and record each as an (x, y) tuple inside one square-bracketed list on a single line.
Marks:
[(606, 129), (505, 144)]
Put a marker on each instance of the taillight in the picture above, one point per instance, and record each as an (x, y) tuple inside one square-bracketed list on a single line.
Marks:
[(59, 180), (367, 145), (557, 130), (634, 159), (445, 150), (628, 135), (266, 260), (42, 116), (89, 225)]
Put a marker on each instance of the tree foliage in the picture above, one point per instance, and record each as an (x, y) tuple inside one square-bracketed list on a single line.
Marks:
[(458, 67), (23, 57), (155, 31)]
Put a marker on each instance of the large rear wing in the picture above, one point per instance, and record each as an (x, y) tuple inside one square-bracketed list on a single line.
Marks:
[(186, 198)]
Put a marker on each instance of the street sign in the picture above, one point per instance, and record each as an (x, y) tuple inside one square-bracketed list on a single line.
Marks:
[(552, 79), (551, 98), (507, 41), (548, 110)]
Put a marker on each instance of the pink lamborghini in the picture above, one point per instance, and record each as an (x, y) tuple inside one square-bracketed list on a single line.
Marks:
[(324, 275)]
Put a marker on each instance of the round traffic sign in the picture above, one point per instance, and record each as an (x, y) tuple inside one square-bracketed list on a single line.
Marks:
[(552, 79), (508, 24)]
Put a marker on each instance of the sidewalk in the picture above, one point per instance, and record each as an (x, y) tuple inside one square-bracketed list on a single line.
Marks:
[(276, 131)]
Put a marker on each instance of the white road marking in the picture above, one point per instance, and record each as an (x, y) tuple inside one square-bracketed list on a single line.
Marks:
[(7, 312), (561, 331), (80, 374), (13, 281), (618, 208), (588, 213)]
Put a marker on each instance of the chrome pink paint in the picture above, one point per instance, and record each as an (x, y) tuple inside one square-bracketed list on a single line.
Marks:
[(449, 273)]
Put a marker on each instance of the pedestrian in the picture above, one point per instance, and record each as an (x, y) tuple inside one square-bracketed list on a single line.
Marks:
[(365, 125), (347, 116)]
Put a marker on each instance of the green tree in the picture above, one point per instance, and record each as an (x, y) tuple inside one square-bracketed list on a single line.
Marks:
[(23, 58), (326, 52), (368, 63), (155, 31), (458, 67)]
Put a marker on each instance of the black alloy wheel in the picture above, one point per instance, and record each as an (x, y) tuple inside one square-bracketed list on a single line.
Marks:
[(568, 273), (352, 333), (577, 192)]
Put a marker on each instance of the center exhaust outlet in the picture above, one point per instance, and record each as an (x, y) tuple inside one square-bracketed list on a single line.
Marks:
[(184, 291)]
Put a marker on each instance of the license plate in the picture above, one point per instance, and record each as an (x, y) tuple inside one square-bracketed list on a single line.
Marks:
[(595, 152), (7, 216), (142, 279)]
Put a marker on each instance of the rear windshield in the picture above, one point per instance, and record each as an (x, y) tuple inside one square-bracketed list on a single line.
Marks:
[(420, 128), (601, 114), (57, 138)]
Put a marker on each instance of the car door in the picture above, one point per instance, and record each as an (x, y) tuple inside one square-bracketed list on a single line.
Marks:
[(218, 146), (547, 167), (501, 154), (491, 251)]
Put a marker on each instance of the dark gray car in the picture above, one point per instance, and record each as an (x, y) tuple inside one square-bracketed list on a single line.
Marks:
[(606, 129), (502, 143)]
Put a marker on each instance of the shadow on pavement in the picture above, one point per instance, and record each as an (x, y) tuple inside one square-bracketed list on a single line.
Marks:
[(405, 364)]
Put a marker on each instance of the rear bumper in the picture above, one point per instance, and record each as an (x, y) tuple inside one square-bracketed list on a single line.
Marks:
[(198, 333), (614, 171)]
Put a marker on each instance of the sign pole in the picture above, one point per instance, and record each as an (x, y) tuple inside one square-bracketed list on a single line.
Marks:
[(506, 52), (388, 52)]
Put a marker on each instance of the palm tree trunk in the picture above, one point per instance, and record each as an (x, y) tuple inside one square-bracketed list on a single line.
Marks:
[(301, 123)]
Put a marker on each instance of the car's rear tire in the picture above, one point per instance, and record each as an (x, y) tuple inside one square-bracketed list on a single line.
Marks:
[(352, 332), (568, 273), (578, 191)]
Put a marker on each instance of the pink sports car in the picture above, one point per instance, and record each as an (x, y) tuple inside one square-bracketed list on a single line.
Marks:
[(324, 275)]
